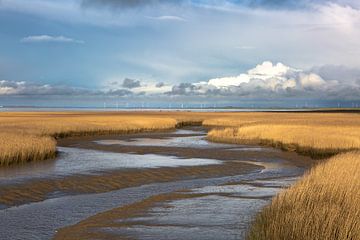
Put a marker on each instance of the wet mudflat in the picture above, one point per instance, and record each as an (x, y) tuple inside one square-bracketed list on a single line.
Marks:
[(180, 185)]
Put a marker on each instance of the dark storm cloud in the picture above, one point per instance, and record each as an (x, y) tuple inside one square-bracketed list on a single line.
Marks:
[(183, 89), (290, 4), (257, 88), (338, 72), (160, 84), (17, 88), (27, 88), (130, 83), (263, 4), (125, 4), (119, 92)]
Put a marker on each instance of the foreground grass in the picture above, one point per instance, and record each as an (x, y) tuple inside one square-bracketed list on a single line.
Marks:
[(324, 204)]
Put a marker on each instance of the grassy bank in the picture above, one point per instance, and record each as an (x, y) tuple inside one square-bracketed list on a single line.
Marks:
[(31, 136), (19, 148), (324, 204), (318, 135), (317, 141)]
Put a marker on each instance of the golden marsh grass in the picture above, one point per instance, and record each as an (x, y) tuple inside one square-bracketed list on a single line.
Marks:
[(31, 136), (20, 148), (313, 140), (24, 127), (324, 204)]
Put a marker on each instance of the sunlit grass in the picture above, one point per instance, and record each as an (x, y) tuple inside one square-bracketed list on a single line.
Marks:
[(324, 204), (20, 148), (313, 140), (31, 137)]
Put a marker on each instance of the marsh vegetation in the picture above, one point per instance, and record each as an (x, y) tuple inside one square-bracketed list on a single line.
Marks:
[(324, 204), (31, 136)]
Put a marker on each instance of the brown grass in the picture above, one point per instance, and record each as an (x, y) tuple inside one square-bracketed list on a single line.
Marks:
[(19, 148), (324, 204), (314, 140), (284, 118), (26, 136), (31, 136)]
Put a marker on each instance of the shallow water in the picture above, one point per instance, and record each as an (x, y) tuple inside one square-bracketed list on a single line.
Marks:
[(184, 142), (85, 161), (197, 139), (222, 212), (221, 217), (212, 216)]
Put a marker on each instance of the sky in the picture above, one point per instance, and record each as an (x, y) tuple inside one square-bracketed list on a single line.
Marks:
[(249, 53)]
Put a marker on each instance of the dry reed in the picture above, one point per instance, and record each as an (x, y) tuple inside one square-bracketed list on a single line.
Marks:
[(313, 140), (20, 148), (324, 204), (30, 136)]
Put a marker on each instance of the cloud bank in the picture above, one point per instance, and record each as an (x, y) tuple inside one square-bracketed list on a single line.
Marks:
[(124, 4), (130, 83), (27, 88), (266, 80)]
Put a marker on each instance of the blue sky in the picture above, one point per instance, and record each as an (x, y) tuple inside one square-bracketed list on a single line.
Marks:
[(196, 51)]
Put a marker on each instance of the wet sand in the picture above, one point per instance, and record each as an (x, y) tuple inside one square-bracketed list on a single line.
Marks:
[(188, 148), (96, 174), (211, 212)]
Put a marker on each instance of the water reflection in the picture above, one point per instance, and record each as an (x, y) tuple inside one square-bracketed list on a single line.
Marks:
[(85, 161), (184, 142)]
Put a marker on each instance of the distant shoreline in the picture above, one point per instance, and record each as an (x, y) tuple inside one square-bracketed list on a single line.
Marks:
[(95, 109)]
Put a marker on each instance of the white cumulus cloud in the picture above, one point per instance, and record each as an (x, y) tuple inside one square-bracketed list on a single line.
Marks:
[(271, 80), (271, 74)]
